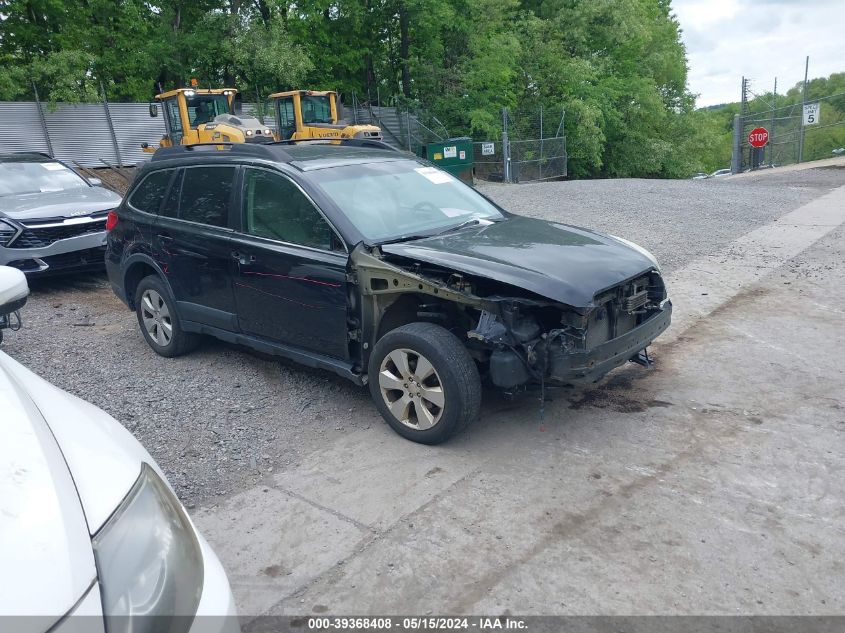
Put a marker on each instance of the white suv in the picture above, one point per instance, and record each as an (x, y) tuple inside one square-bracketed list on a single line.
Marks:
[(88, 524)]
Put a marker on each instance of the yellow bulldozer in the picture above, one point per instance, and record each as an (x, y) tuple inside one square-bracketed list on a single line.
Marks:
[(194, 115), (305, 114)]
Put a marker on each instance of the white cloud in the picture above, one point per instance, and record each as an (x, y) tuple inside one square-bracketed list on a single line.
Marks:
[(760, 39)]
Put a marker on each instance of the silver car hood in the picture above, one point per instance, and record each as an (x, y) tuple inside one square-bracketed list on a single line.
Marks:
[(68, 203)]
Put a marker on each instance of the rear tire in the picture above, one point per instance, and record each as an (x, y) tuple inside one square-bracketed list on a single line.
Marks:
[(159, 321), (424, 382)]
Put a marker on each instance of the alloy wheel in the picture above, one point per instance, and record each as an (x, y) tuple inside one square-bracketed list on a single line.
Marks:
[(411, 389), (156, 317)]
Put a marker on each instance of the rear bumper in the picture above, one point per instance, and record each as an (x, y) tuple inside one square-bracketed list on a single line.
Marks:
[(114, 271), (583, 367), (73, 254)]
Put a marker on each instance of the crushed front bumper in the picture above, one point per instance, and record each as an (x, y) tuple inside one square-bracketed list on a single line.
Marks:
[(586, 366), (84, 252)]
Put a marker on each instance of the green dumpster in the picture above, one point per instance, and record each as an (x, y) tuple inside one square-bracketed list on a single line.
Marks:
[(453, 155)]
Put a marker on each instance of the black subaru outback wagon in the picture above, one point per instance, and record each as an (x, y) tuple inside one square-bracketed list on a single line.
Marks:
[(379, 267)]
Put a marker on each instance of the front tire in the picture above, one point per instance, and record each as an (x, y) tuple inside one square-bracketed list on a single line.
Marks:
[(159, 322), (424, 382)]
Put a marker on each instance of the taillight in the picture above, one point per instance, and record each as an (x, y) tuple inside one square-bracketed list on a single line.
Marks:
[(111, 220)]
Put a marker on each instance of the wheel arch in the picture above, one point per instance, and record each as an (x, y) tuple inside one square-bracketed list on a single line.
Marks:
[(136, 268)]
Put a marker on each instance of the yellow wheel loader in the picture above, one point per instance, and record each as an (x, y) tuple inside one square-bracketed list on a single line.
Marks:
[(194, 115), (304, 114)]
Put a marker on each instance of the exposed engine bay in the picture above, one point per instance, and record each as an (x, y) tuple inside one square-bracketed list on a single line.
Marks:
[(515, 335)]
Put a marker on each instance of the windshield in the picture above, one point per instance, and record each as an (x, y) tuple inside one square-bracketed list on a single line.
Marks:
[(403, 198), (203, 108), (315, 109), (18, 178)]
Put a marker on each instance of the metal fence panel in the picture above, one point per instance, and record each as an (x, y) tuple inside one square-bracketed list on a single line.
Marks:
[(133, 125), (21, 129), (785, 128), (250, 109), (491, 166), (538, 159), (80, 133), (533, 147)]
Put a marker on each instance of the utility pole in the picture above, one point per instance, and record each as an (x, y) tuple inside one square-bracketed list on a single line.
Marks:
[(803, 102), (772, 131), (736, 153), (739, 128)]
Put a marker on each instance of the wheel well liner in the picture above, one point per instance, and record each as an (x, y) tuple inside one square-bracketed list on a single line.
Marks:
[(135, 271)]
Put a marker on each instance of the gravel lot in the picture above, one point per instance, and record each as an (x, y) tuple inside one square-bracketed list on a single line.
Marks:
[(678, 220), (223, 418)]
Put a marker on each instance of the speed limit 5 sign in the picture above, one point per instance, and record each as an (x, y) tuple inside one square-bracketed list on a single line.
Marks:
[(811, 113)]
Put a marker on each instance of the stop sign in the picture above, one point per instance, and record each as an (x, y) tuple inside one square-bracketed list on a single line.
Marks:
[(759, 137)]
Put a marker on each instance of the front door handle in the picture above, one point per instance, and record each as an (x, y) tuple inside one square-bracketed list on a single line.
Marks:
[(164, 238), (243, 260)]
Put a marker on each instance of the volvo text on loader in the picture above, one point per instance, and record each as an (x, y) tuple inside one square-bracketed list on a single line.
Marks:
[(195, 115), (304, 114)]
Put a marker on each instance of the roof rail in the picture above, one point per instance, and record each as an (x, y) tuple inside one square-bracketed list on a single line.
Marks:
[(261, 150), (353, 142)]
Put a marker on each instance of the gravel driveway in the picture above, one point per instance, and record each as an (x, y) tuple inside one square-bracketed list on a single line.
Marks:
[(223, 418)]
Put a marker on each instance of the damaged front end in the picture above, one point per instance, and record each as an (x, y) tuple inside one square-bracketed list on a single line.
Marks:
[(517, 336), (584, 345)]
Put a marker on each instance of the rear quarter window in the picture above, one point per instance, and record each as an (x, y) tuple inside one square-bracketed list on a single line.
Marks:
[(148, 195)]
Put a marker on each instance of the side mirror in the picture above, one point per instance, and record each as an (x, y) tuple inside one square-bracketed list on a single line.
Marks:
[(13, 293), (153, 109), (95, 182)]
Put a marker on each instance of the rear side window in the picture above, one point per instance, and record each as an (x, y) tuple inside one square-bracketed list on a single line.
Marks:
[(148, 195), (204, 195)]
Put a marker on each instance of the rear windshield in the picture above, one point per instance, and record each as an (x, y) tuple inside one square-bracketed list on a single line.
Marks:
[(393, 199), (21, 178)]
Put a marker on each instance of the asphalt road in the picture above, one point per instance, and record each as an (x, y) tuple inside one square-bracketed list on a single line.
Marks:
[(710, 484)]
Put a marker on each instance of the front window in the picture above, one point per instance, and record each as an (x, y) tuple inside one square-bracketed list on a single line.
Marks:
[(31, 177), (273, 207), (203, 108), (402, 198), (315, 109)]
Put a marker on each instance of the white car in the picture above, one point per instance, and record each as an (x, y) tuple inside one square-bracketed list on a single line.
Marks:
[(88, 524)]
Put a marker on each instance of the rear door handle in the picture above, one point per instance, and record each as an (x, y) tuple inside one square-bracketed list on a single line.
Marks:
[(243, 260)]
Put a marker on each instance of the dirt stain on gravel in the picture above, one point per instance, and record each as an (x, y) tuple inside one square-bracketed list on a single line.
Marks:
[(618, 394)]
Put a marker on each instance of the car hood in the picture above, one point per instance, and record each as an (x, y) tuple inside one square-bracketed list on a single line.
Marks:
[(46, 560), (104, 458), (557, 261), (58, 204)]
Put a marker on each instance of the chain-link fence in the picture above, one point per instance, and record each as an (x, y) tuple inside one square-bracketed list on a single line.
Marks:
[(791, 138), (532, 147), (489, 161)]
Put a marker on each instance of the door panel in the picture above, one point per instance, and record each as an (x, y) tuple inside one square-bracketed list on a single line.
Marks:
[(289, 285), (174, 120), (291, 295), (194, 238)]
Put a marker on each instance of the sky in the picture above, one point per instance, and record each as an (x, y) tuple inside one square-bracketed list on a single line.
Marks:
[(760, 39)]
